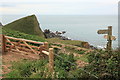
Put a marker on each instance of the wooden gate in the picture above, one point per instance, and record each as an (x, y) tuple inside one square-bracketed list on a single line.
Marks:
[(28, 46), (18, 44)]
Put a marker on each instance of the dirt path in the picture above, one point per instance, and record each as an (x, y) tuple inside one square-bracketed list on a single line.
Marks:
[(10, 57)]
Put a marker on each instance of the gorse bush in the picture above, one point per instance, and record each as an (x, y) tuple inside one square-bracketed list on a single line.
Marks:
[(65, 63), (104, 64)]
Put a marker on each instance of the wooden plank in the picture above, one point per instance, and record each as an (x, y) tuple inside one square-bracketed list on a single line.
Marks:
[(29, 47), (45, 52), (24, 45), (8, 45), (12, 44), (26, 49), (102, 32), (20, 39), (20, 51)]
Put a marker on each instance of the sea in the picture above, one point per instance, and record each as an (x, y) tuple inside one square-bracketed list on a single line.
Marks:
[(77, 27)]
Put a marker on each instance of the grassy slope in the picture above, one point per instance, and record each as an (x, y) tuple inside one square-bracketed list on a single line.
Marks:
[(70, 42), (28, 25), (18, 34), (67, 42)]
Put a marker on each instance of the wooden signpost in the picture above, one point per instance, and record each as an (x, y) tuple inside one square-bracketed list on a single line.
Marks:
[(112, 37), (109, 37), (102, 32)]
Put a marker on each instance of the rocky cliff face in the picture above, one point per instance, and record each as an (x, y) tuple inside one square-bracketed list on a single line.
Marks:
[(57, 34)]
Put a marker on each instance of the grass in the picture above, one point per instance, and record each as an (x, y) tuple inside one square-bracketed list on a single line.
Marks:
[(73, 50), (39, 68), (82, 58), (67, 42), (18, 34), (28, 25), (27, 69)]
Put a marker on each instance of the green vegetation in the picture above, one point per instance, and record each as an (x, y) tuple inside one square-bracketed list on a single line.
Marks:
[(84, 58), (28, 69), (67, 42), (59, 45), (28, 25), (104, 64), (39, 68), (17, 34), (74, 51), (101, 63)]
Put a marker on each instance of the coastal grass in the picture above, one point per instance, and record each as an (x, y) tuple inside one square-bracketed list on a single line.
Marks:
[(17, 34), (27, 69), (39, 68), (67, 42), (74, 51), (28, 25), (83, 58)]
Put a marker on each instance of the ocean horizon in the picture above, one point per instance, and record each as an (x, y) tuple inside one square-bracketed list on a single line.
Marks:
[(77, 27)]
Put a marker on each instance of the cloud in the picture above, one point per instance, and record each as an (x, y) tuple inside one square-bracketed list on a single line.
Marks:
[(8, 5), (59, 6)]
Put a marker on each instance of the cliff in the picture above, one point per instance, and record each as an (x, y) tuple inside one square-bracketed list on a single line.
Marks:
[(28, 25)]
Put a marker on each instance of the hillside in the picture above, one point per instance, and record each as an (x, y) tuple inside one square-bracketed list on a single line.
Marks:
[(71, 59), (28, 25), (17, 34)]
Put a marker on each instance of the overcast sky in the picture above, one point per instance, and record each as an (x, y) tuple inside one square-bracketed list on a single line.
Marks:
[(59, 7)]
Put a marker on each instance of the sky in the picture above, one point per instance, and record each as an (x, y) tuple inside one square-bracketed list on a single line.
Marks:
[(59, 7)]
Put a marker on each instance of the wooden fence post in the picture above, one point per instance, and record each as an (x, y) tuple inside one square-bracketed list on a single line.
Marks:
[(3, 44), (46, 46), (51, 60)]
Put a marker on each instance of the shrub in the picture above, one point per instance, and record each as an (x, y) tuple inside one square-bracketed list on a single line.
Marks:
[(103, 64)]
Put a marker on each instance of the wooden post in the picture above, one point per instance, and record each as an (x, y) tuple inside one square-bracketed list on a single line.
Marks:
[(109, 44), (63, 48), (46, 46), (51, 60), (3, 44)]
